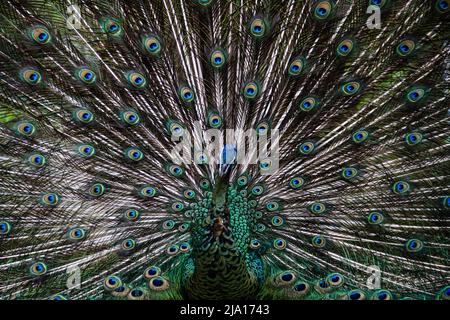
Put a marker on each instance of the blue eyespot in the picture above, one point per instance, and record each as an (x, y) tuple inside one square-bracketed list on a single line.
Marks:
[(168, 224), (259, 27), (51, 199), (186, 94), (414, 245), (323, 10), (38, 269), (335, 279), (131, 214), (5, 228), (318, 241), (251, 90), (173, 249), (442, 6), (356, 295), (97, 190), (382, 295), (375, 218), (40, 35), (86, 150), (158, 283), (218, 58), (401, 187), (279, 244), (133, 154), (112, 282), (128, 244), (415, 95), (306, 148), (349, 173), (345, 47), (112, 26), (360, 136), (350, 88), (152, 272), (317, 208), (297, 66), (76, 234), (413, 138), (152, 45)]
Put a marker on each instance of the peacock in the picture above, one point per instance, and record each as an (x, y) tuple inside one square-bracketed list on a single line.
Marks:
[(129, 166)]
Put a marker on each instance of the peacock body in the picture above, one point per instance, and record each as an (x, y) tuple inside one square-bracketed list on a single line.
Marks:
[(352, 202)]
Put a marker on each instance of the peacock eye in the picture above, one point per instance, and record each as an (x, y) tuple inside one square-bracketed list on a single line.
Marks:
[(218, 58), (168, 224), (186, 94), (201, 158), (306, 148), (25, 128), (277, 221), (86, 75), (242, 181), (350, 88), (175, 170), (344, 47), (265, 165), (262, 128), (30, 76), (184, 226), (296, 183), (51, 199), (301, 288), (378, 3), (259, 27), (405, 47), (177, 206), (251, 90), (204, 184), (38, 269), (414, 245), (128, 244), (279, 244), (37, 160), (205, 3), (86, 150), (335, 279), (189, 194), (318, 241), (285, 278), (59, 297), (442, 6), (308, 104), (415, 95), (83, 116), (382, 295), (76, 234), (152, 45), (214, 120), (255, 244), (317, 208), (136, 79), (131, 214), (323, 10), (158, 283), (272, 206), (401, 187), (413, 138), (133, 154), (5, 228), (375, 218), (97, 190), (260, 227), (257, 190), (112, 27), (349, 173), (130, 117), (185, 247), (40, 35), (112, 282), (360, 136), (297, 66), (136, 294), (356, 295), (175, 128), (151, 272), (173, 249)]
